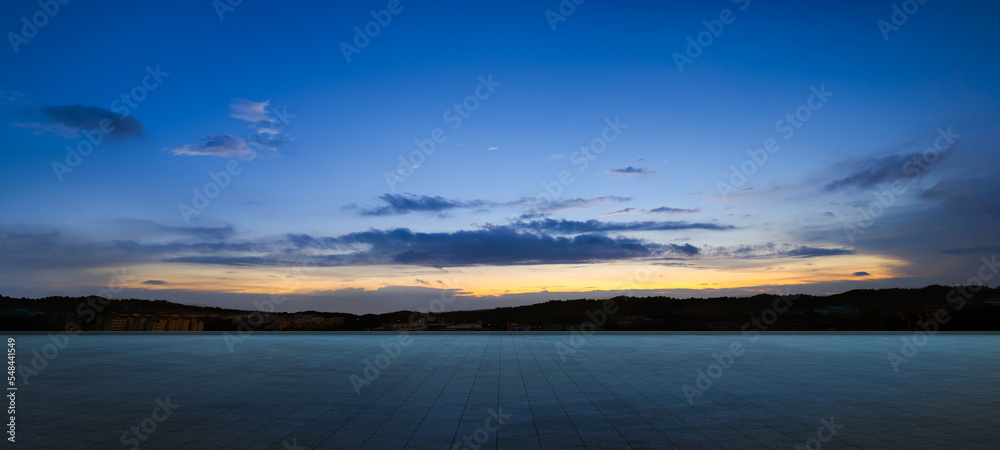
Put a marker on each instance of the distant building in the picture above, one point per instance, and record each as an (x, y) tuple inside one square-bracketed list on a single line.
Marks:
[(309, 322), (478, 326), (514, 326), (136, 322)]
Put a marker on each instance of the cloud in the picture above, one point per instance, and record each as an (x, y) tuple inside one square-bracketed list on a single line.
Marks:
[(54, 128), (861, 274), (632, 171), (549, 206), (871, 172), (13, 97), (225, 146), (496, 246), (125, 228), (660, 210), (772, 250), (154, 282), (395, 204), (418, 280), (88, 118), (266, 133), (804, 251), (555, 156), (668, 210), (686, 249), (623, 211), (563, 226), (250, 111), (493, 148), (407, 203)]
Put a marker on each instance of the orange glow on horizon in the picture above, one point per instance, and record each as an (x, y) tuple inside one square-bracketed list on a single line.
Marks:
[(500, 280)]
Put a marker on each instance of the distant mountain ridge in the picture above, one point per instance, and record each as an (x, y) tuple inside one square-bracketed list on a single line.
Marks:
[(950, 308)]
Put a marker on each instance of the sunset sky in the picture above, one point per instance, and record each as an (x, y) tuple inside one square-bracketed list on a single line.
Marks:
[(506, 151)]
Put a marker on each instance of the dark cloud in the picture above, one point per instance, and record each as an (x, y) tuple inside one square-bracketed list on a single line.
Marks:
[(500, 246), (632, 171), (668, 210), (771, 250), (563, 226), (871, 172), (418, 280), (686, 249), (89, 118), (395, 204), (491, 246), (810, 252), (861, 274), (407, 203), (154, 282)]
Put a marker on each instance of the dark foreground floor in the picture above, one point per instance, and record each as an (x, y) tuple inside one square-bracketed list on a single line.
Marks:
[(451, 390)]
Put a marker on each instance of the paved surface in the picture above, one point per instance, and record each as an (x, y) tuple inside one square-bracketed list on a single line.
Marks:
[(450, 390)]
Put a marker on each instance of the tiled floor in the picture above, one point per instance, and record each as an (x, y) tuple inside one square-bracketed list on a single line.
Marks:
[(450, 390)]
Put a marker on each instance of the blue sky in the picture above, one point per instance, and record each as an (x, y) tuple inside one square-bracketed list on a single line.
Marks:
[(319, 211)]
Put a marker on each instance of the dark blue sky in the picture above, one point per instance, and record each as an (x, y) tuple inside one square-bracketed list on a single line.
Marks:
[(573, 157)]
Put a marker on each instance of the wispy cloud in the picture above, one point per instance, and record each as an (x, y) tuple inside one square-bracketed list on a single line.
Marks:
[(225, 146), (266, 134), (563, 226), (536, 208), (155, 282), (493, 148), (669, 210), (772, 250), (13, 97), (632, 171), (660, 210), (250, 111), (871, 172)]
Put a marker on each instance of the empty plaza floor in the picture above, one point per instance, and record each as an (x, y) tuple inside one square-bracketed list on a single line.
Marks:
[(508, 390)]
